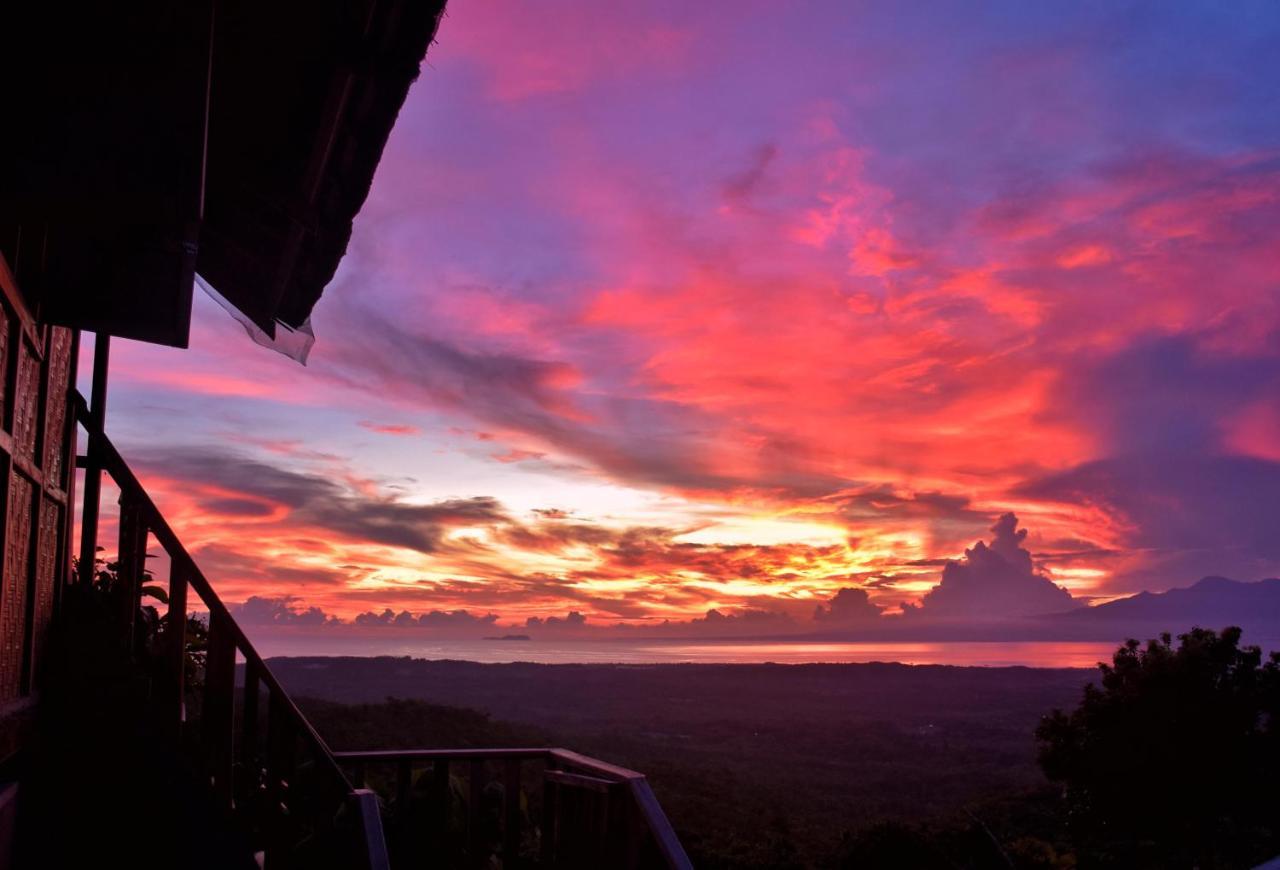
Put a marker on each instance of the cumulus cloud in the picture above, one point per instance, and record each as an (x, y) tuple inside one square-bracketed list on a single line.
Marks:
[(849, 604), (257, 610), (994, 581), (746, 616), (573, 619), (442, 619)]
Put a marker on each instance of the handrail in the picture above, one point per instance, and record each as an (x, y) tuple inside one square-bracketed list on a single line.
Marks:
[(287, 729), (112, 463)]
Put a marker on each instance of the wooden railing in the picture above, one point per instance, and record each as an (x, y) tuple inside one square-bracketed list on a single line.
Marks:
[(276, 777), (269, 768), (530, 807)]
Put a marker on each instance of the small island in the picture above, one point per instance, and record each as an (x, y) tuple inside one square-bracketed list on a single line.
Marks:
[(510, 637)]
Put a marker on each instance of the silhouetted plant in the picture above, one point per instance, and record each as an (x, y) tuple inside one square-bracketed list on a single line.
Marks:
[(151, 629), (1172, 761)]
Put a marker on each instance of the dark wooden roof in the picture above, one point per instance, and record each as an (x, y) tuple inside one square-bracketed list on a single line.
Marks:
[(304, 98), (111, 198)]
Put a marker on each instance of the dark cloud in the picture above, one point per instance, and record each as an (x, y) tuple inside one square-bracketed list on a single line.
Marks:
[(849, 604), (1168, 394), (1189, 515), (554, 534), (317, 500), (219, 561), (941, 515), (1159, 408), (236, 507), (994, 581), (739, 188), (642, 439), (493, 384)]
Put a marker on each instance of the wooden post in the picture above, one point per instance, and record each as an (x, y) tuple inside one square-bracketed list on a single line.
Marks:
[(404, 785), (606, 843), (404, 772), (626, 828), (441, 799), (65, 568), (93, 467), (249, 721), (511, 813), (177, 649), (475, 781), (218, 715), (362, 805), (281, 750), (550, 823), (131, 565)]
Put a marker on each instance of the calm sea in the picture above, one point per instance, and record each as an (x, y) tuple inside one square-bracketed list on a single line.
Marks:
[(1083, 654)]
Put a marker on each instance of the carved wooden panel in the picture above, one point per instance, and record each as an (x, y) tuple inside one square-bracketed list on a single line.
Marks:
[(13, 594), (26, 400), (48, 556), (36, 368), (55, 424), (4, 358)]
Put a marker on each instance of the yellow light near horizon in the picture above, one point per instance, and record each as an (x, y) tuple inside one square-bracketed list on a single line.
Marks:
[(749, 588), (1080, 573), (765, 531)]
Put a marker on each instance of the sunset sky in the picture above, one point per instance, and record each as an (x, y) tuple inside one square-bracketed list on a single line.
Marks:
[(658, 308)]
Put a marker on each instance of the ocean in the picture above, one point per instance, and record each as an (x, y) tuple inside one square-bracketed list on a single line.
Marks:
[(1035, 654)]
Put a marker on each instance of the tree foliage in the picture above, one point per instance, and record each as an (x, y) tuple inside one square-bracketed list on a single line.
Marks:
[(1172, 760), (151, 629)]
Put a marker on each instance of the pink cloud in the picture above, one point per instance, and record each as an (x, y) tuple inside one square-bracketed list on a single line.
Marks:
[(390, 428)]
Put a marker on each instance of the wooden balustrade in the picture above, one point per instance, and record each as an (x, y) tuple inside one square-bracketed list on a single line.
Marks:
[(593, 814), (325, 823), (276, 775)]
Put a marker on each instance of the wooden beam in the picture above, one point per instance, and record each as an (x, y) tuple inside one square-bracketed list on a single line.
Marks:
[(93, 468)]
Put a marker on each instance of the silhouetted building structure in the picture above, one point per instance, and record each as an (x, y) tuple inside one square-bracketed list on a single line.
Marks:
[(145, 143)]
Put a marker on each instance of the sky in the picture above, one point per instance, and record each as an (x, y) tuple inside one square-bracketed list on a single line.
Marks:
[(759, 314)]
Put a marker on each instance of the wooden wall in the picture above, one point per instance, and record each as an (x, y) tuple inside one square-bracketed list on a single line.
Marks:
[(36, 477)]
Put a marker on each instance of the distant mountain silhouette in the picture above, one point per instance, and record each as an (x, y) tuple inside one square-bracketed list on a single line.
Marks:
[(1213, 602)]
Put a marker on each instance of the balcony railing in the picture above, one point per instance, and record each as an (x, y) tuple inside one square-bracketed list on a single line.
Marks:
[(277, 778), (530, 807)]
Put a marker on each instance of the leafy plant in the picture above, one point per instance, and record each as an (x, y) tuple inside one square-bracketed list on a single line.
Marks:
[(152, 631)]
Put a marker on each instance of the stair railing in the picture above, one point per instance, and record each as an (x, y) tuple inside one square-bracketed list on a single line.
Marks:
[(276, 776)]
